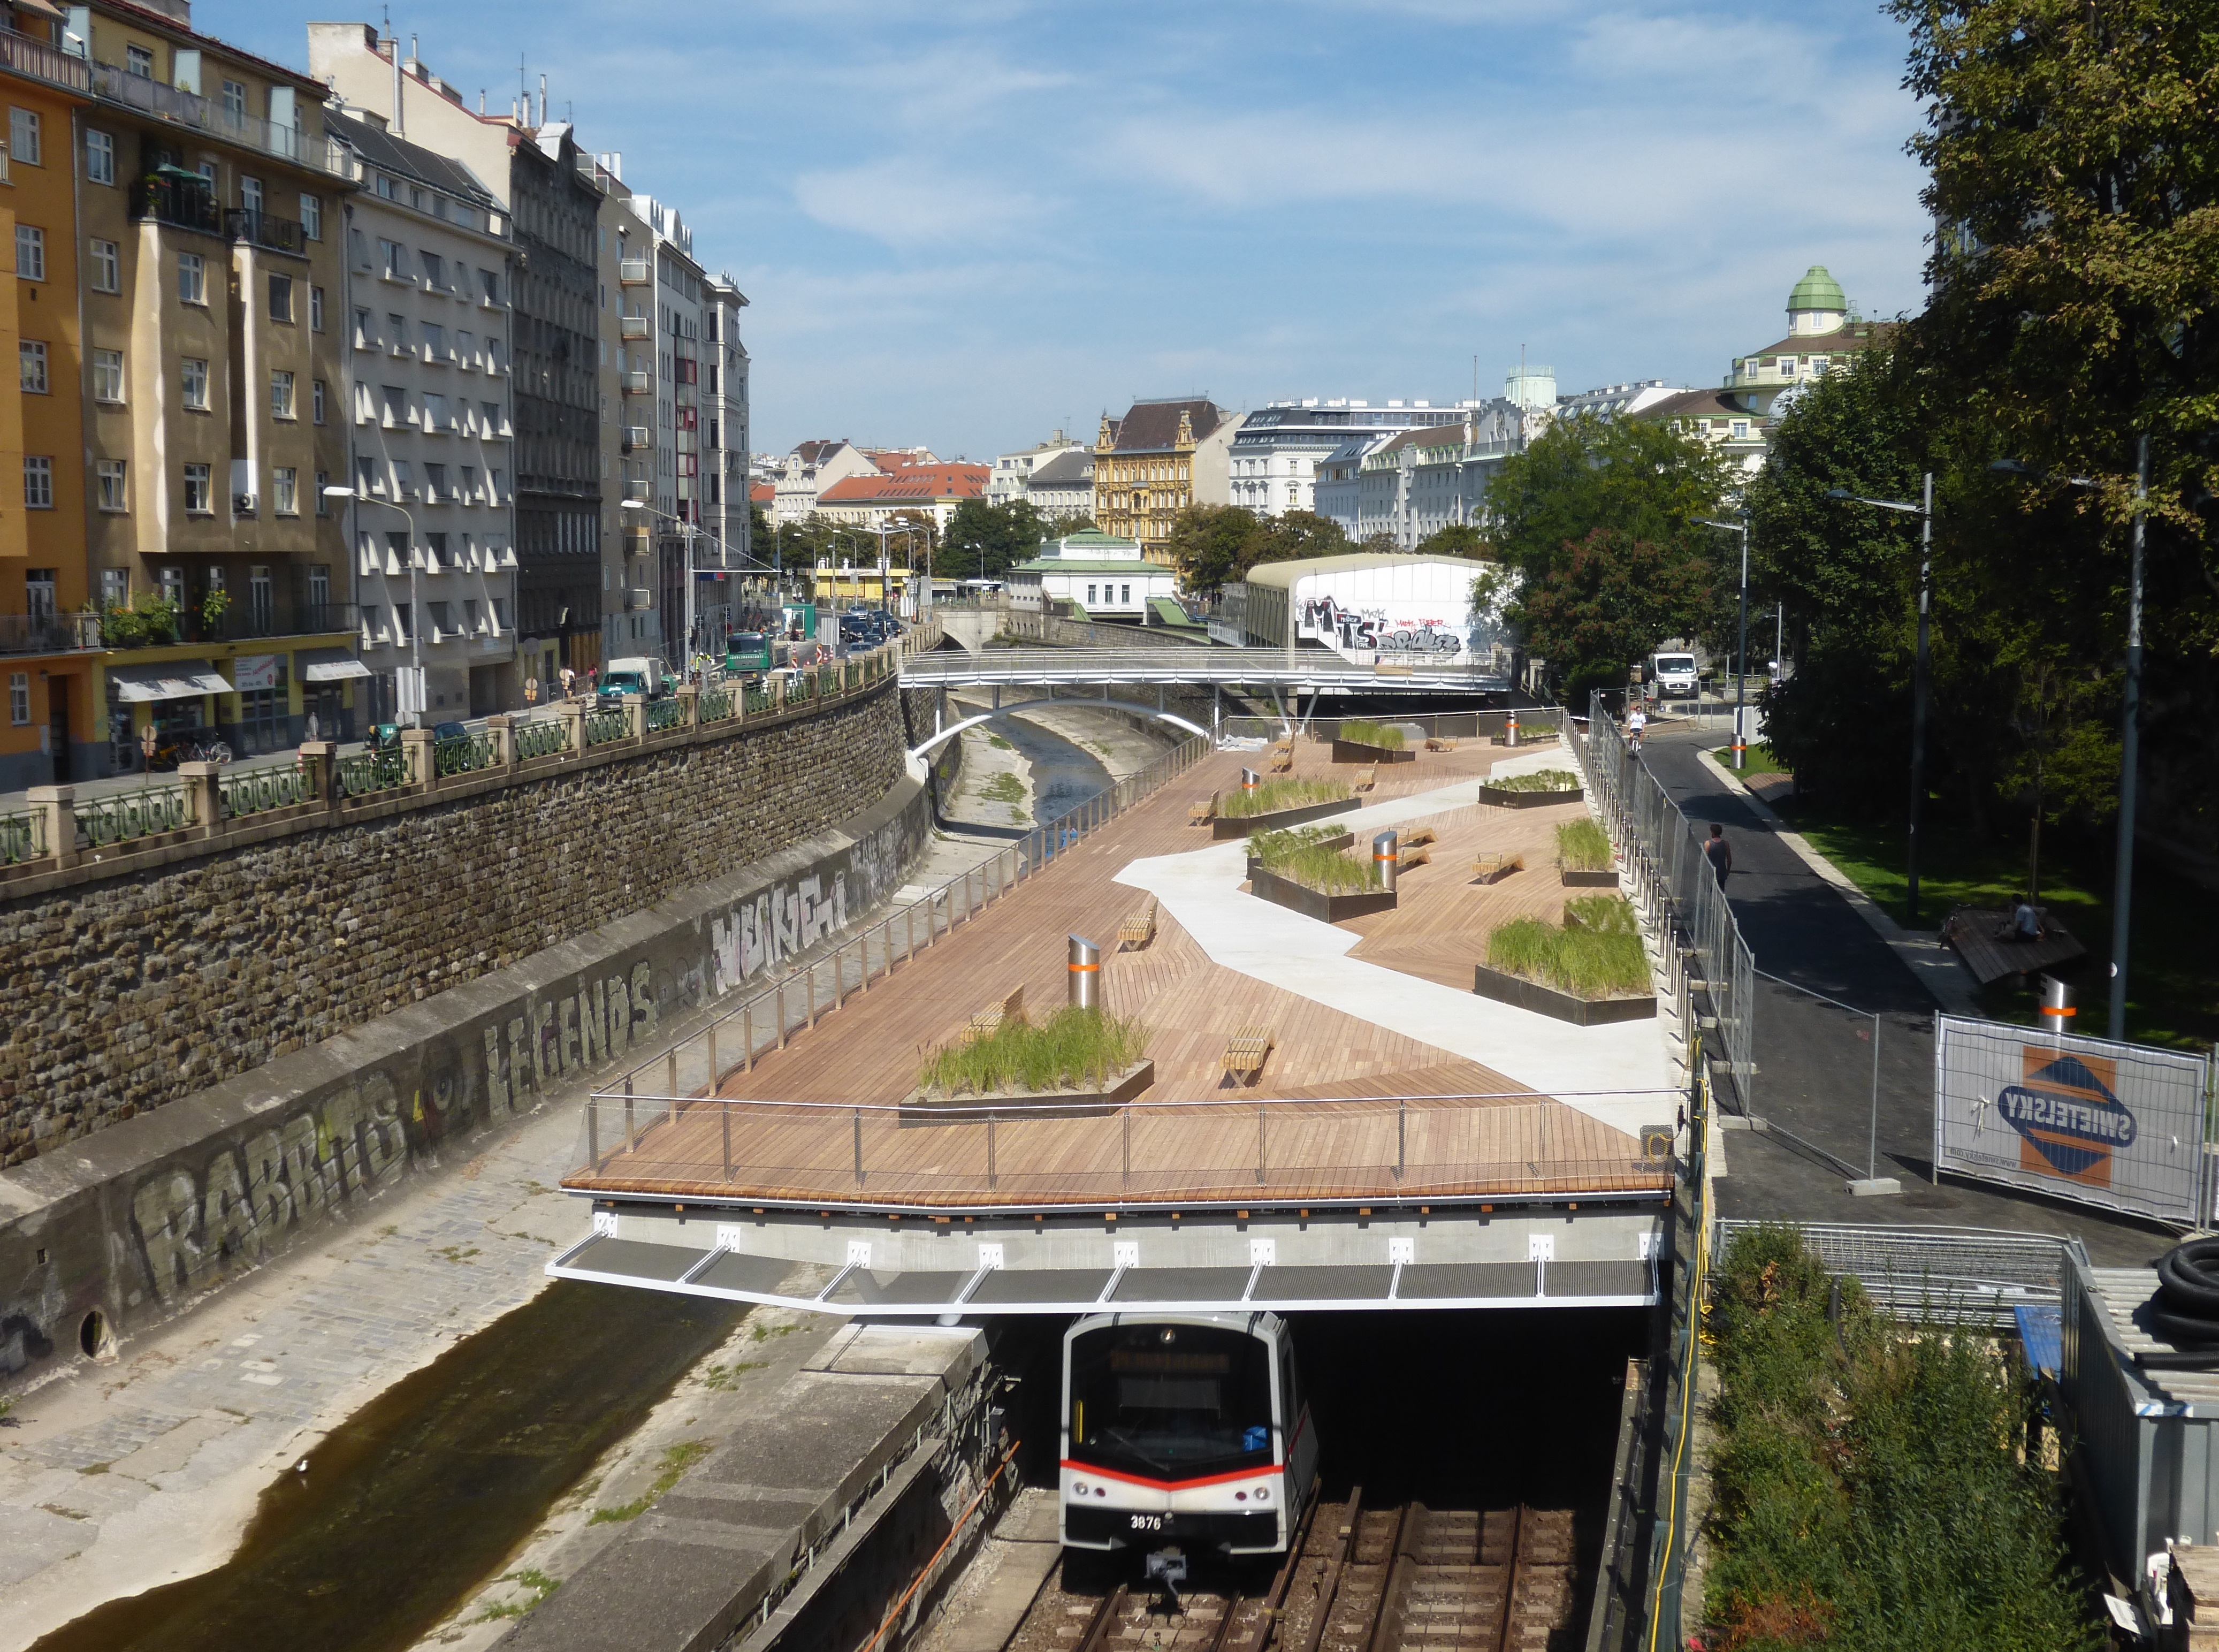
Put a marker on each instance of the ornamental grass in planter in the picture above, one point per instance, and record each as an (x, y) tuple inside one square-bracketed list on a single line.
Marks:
[(1075, 1049), (1360, 739), (1275, 797), (1534, 791), (1596, 954), (1584, 854), (1311, 856)]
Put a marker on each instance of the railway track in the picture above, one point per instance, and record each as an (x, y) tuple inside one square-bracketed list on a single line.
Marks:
[(1400, 1579)]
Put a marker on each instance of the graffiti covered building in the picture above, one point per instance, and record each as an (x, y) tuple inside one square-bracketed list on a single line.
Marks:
[(1370, 607)]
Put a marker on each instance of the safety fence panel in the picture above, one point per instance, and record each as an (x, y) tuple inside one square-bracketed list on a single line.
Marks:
[(1942, 1275), (1669, 880), (2121, 1125)]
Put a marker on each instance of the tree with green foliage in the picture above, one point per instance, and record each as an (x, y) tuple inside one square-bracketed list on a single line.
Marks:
[(984, 541), (1603, 604), (1644, 483), (1296, 536), (1457, 539), (1208, 546)]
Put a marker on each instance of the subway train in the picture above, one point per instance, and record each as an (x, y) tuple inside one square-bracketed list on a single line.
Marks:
[(1185, 1433)]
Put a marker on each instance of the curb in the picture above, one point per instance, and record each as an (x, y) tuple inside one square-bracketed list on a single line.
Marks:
[(1933, 965)]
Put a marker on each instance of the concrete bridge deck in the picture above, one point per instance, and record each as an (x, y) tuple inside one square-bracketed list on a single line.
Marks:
[(1305, 671), (1391, 1097)]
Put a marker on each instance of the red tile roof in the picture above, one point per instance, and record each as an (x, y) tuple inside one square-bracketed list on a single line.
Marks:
[(915, 482), (762, 493)]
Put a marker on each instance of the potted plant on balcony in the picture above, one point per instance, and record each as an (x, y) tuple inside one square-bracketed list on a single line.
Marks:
[(150, 622), (215, 603)]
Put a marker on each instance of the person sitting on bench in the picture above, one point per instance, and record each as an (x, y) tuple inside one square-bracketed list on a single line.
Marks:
[(2025, 924)]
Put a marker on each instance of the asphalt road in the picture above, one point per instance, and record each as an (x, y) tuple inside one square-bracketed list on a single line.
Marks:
[(1815, 1068)]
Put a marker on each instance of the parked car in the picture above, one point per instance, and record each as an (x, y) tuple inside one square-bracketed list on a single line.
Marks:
[(642, 675)]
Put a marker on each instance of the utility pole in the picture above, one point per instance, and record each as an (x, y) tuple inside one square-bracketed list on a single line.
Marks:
[(2122, 888)]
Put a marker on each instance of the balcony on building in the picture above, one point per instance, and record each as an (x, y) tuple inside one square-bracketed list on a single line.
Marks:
[(637, 272), (189, 109), (637, 384), (266, 230), (180, 199), (40, 61), (636, 435), (48, 633), (638, 326)]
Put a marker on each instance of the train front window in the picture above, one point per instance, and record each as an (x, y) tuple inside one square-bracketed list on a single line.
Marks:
[(1170, 1402)]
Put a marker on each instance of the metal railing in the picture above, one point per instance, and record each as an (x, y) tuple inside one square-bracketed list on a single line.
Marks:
[(769, 1015), (258, 790), (370, 772), (717, 703), (42, 61), (462, 754), (662, 714), (1945, 1276), (123, 817), (1667, 877), (1537, 725), (48, 633), (1154, 1150), (150, 96), (602, 727), (22, 837), (542, 737), (1305, 670)]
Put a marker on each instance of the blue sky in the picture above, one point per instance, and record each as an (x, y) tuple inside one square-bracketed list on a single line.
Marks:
[(965, 223)]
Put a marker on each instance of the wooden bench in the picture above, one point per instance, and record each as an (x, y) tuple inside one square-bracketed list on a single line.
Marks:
[(1244, 1052), (1441, 742), (1139, 926), (988, 1021), (1417, 835), (1972, 931), (1494, 868), (1418, 857), (1282, 757), (1366, 778), (1198, 813)]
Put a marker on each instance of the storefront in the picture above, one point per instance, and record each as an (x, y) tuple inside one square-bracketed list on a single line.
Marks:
[(264, 718), (333, 687), (168, 699)]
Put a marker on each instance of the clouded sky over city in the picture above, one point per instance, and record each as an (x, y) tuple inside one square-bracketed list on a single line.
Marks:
[(963, 224)]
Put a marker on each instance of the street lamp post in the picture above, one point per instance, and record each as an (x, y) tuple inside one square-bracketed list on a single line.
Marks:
[(1741, 659), (415, 602), (724, 556), (1924, 511), (2122, 886)]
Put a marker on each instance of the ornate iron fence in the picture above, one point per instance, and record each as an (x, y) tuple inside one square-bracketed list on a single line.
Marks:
[(663, 714), (548, 738), (22, 837), (258, 790), (462, 754), (121, 817), (602, 727), (717, 703), (372, 771)]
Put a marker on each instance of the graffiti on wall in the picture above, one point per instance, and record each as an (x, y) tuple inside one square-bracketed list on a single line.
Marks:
[(191, 1225)]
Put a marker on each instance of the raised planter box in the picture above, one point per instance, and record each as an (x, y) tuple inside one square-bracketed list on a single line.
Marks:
[(1501, 799), (919, 1107), (1222, 827), (1572, 879), (1547, 1001), (1350, 751), (1315, 904), (1340, 841)]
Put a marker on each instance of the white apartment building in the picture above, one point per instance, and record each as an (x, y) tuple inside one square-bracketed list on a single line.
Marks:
[(1061, 486), (1411, 486), (1275, 454), (427, 401), (1012, 477)]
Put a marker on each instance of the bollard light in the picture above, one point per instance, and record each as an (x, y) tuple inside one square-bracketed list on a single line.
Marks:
[(2057, 1010), (1386, 856), (1510, 729), (1083, 969), (1250, 780)]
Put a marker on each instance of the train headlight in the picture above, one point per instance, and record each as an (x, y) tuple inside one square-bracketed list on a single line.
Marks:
[(1078, 1488), (1263, 1493)]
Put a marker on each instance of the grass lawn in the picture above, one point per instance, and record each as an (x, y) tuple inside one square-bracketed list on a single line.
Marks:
[(1761, 761), (2173, 989)]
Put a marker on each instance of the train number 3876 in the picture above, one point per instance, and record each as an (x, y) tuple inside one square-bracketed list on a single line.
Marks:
[(1147, 1522)]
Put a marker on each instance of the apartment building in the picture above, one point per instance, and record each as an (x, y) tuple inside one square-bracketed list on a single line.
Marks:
[(1145, 467), (53, 731), (1276, 455), (1013, 472), (425, 396), (724, 432), (552, 193), (209, 219)]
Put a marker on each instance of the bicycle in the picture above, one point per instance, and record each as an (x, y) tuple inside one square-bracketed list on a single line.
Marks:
[(209, 751)]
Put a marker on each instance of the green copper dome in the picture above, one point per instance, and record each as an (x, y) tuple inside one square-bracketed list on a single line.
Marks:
[(1817, 291)]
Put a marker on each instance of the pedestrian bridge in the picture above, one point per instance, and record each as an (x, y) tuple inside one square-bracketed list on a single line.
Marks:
[(1308, 670)]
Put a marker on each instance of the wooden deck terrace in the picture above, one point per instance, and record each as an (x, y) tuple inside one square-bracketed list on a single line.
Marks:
[(1343, 1110)]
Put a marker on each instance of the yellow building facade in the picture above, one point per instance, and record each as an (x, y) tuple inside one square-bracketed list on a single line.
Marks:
[(1144, 469)]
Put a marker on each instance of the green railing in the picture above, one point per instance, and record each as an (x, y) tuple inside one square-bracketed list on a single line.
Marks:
[(717, 703), (371, 772), (258, 790), (22, 837), (755, 700), (122, 818), (602, 727), (548, 738), (461, 753), (665, 714)]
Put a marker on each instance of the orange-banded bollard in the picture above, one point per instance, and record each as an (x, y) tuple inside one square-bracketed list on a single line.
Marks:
[(1387, 857), (1083, 969), (2056, 1004), (1250, 780), (1510, 729)]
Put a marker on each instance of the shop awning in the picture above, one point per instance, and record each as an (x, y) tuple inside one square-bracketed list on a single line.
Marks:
[(329, 665), (170, 679)]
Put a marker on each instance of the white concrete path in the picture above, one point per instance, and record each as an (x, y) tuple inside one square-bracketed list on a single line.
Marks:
[(1592, 1069)]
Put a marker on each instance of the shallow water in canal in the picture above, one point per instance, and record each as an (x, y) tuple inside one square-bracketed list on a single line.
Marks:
[(1065, 773), (419, 1496)]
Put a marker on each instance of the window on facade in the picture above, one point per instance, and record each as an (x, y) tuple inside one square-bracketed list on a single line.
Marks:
[(435, 342), (193, 383), (315, 309), (384, 186), (404, 480), (192, 278), (489, 286), (107, 270), (435, 413), (281, 395), (30, 252), (396, 406), (19, 697), (435, 272), (470, 488), (392, 260), (197, 497), (396, 328), (435, 551), (38, 483), (139, 60), (250, 193), (1740, 429), (496, 488), (365, 334), (234, 100), (435, 481), (311, 217), (25, 136), (281, 298), (491, 409), (368, 479), (404, 613), (371, 614), (108, 375), (110, 475), (316, 400), (285, 490), (33, 355), (99, 157), (1818, 365)]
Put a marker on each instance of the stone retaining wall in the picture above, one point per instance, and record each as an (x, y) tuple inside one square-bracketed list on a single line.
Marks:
[(130, 993)]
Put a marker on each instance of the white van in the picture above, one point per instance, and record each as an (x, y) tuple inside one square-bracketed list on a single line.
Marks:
[(641, 675), (1674, 674)]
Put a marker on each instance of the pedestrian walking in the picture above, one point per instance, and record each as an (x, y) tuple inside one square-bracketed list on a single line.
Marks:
[(1718, 852), (569, 682)]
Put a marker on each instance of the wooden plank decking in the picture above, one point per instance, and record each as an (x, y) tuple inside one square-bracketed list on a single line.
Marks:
[(1334, 1141)]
